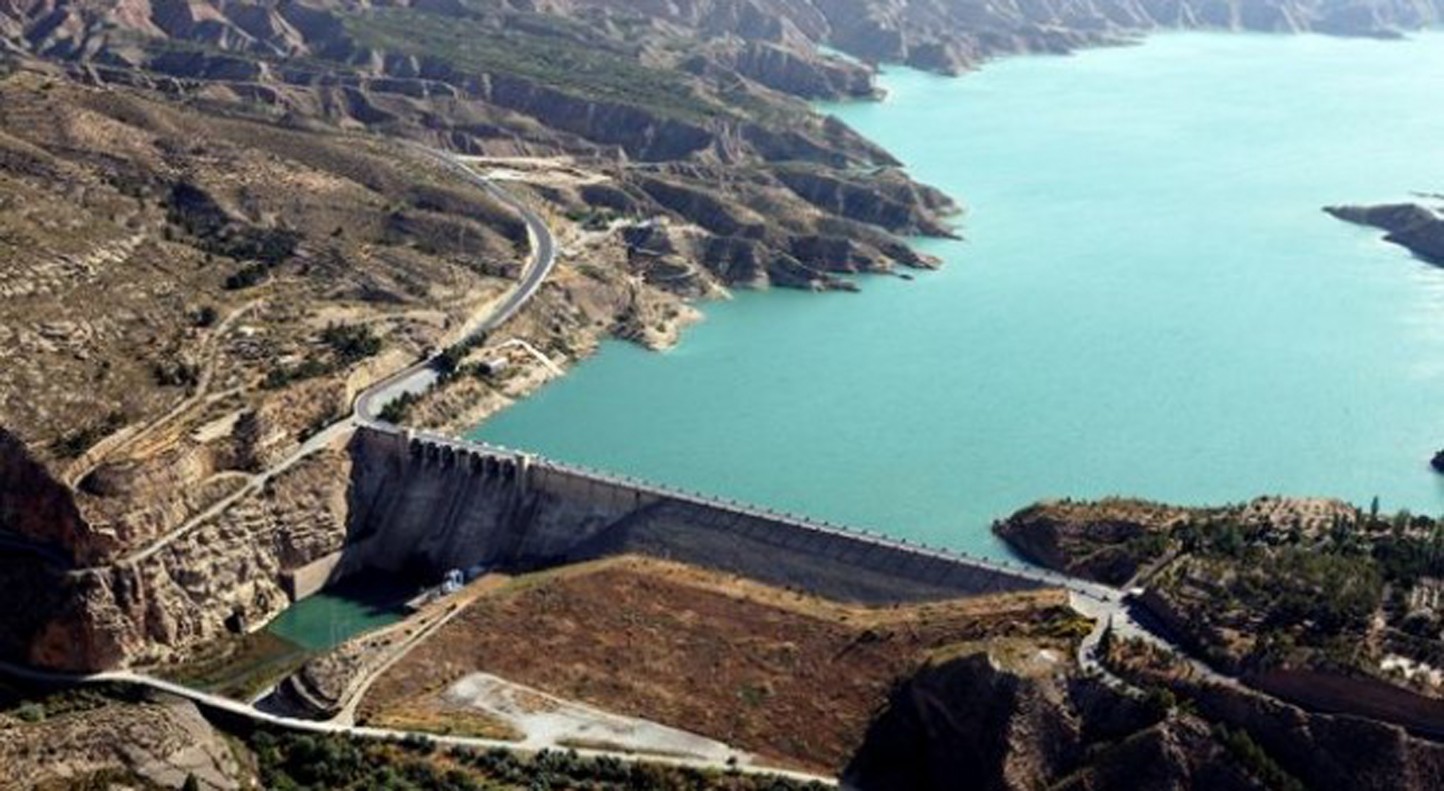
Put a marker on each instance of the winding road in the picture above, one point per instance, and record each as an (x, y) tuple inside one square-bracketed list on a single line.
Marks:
[(217, 703), (417, 378), (1103, 603), (421, 376)]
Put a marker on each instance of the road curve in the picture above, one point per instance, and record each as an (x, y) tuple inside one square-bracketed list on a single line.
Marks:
[(217, 703), (415, 379), (540, 262)]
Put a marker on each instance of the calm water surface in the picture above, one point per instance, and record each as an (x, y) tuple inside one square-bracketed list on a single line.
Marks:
[(327, 619), (1149, 302)]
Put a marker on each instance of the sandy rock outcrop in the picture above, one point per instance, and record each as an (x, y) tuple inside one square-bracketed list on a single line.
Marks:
[(1088, 539), (158, 743), (976, 722), (222, 576)]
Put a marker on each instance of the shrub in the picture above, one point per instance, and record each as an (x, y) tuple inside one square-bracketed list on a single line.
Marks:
[(351, 342), (76, 443)]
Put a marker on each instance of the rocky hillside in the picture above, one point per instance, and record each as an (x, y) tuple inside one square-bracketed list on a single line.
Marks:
[(208, 245), (769, 41), (213, 183), (1010, 719), (1311, 600), (113, 737), (999, 721)]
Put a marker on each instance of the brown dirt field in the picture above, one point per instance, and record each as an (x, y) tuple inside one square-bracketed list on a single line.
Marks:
[(792, 678)]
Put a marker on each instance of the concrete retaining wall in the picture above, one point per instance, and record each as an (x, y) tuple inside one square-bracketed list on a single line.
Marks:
[(311, 578)]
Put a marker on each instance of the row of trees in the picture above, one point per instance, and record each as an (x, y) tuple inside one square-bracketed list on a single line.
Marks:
[(291, 762)]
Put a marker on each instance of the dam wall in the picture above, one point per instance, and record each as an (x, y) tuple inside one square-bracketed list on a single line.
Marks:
[(426, 503)]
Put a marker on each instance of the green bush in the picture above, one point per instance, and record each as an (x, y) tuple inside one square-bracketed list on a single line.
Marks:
[(1255, 760), (351, 342)]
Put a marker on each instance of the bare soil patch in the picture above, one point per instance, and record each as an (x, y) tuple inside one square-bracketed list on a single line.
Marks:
[(789, 677)]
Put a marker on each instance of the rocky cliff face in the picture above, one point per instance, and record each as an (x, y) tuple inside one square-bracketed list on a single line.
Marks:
[(1103, 541), (986, 722), (36, 507), (1330, 752), (1008, 719), (1326, 752), (124, 741), (221, 577)]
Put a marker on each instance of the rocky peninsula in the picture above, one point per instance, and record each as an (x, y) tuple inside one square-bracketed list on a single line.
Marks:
[(1418, 227), (1311, 600)]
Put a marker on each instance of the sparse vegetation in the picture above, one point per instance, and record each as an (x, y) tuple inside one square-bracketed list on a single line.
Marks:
[(176, 373), (245, 277), (309, 368), (211, 229), (206, 316), (290, 762), (1276, 583), (38, 705), (77, 442), (544, 49), (396, 410), (1254, 759), (346, 344)]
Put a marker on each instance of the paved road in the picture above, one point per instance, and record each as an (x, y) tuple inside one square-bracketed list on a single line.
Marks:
[(1102, 602), (218, 703), (420, 377), (1128, 620)]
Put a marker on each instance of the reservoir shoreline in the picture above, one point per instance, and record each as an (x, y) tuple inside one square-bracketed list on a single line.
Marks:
[(602, 411)]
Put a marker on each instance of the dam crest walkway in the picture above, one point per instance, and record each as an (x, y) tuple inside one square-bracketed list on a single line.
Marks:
[(451, 450)]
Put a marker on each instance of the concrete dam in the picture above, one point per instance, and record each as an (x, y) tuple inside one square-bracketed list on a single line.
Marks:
[(423, 503)]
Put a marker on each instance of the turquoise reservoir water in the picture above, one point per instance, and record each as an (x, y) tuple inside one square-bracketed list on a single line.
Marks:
[(1150, 302), (330, 618)]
